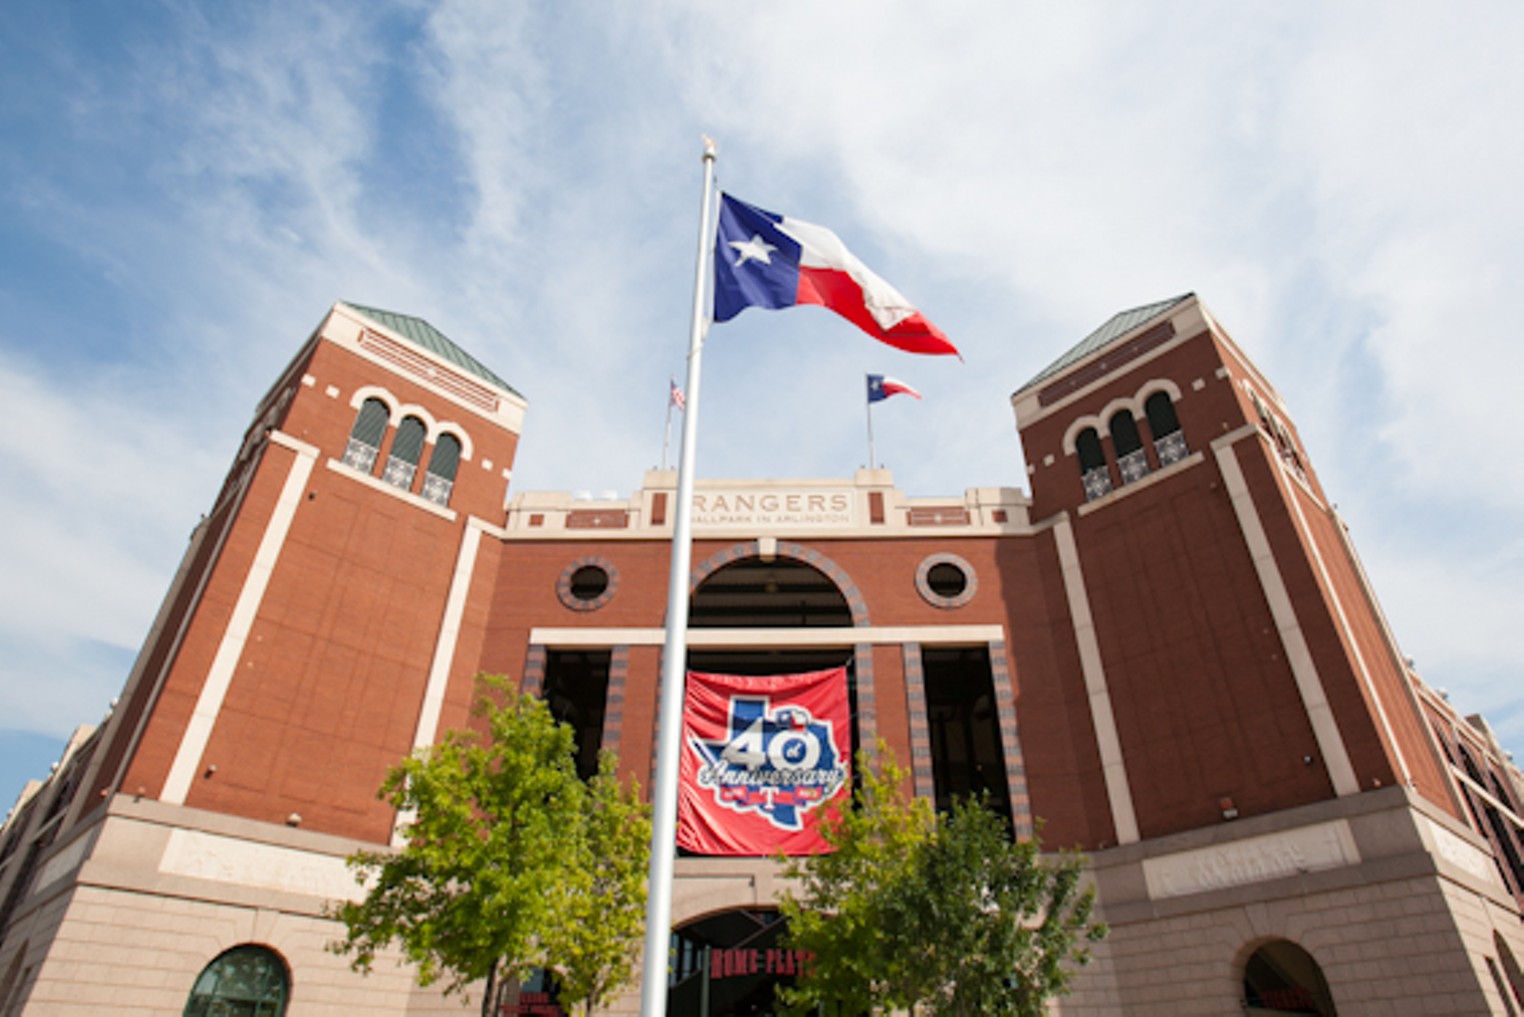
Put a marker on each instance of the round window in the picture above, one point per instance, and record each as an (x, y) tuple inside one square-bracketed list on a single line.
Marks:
[(587, 584), (946, 581)]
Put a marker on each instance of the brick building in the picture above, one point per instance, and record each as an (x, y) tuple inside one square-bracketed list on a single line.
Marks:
[(1168, 653)]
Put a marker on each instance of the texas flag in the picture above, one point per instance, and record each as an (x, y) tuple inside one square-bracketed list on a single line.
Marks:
[(762, 259), (881, 387)]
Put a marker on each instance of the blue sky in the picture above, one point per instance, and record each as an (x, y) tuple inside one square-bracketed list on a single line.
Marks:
[(185, 188)]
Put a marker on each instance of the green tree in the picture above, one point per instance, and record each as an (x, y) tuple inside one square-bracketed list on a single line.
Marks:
[(511, 862), (933, 914)]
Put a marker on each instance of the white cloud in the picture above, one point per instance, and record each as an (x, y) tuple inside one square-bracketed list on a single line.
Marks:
[(97, 500)]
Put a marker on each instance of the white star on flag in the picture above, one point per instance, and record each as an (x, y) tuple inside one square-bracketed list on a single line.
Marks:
[(756, 248)]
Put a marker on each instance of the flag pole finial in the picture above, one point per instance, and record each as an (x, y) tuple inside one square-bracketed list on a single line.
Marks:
[(710, 149)]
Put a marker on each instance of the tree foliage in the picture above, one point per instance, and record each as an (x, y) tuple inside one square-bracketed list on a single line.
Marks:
[(511, 862), (933, 914)]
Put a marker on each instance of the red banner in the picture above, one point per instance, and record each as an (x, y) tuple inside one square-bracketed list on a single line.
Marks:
[(761, 757)]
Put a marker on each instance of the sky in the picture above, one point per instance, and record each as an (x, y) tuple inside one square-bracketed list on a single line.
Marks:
[(186, 188)]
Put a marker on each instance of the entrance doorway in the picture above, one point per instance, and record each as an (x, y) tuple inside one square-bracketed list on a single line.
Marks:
[(729, 965), (1282, 978)]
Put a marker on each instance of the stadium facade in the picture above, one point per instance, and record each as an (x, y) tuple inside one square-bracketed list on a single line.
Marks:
[(1167, 655)]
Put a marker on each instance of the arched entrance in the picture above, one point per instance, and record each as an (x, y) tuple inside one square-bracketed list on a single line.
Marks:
[(728, 965), (758, 593), (1282, 978)]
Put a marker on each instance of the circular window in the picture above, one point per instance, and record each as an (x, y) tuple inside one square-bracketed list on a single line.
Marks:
[(946, 581), (587, 584)]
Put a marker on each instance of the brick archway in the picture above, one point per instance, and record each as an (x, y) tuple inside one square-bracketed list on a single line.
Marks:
[(794, 552)]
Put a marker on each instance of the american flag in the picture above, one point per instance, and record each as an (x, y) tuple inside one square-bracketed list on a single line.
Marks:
[(676, 395)]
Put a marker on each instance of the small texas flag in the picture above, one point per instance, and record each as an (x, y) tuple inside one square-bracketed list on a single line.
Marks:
[(881, 387)]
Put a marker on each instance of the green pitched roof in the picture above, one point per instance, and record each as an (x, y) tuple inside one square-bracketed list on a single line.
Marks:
[(1116, 326), (421, 333)]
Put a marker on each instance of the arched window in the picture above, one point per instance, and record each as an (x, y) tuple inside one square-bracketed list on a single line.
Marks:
[(439, 479), (406, 448), (1092, 463), (365, 436), (1169, 442), (1132, 461), (246, 981)]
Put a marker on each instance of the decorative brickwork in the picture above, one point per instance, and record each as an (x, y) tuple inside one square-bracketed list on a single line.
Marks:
[(598, 519), (938, 517), (415, 363), (798, 552), (576, 603), (920, 724), (867, 712), (1010, 740), (613, 710), (533, 682)]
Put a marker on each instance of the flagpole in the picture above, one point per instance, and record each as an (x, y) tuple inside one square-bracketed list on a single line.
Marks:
[(871, 465), (666, 438), (653, 988)]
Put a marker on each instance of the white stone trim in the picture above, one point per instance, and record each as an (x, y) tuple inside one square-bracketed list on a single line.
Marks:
[(196, 854), (449, 634), (450, 427), (406, 410), (1251, 860), (365, 392), (1349, 634), (1310, 686), (444, 655), (1457, 851), (937, 635), (1102, 421), (1113, 766), (379, 485), (220, 675), (1116, 494)]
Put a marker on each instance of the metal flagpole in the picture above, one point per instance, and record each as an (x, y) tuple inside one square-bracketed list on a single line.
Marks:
[(871, 465), (666, 438), (653, 989)]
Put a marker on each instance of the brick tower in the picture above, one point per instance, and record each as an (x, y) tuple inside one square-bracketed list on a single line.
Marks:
[(306, 644), (1244, 658), (1279, 803), (293, 662)]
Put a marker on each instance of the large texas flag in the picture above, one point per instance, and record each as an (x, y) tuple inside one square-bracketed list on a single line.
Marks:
[(762, 259), (761, 758)]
